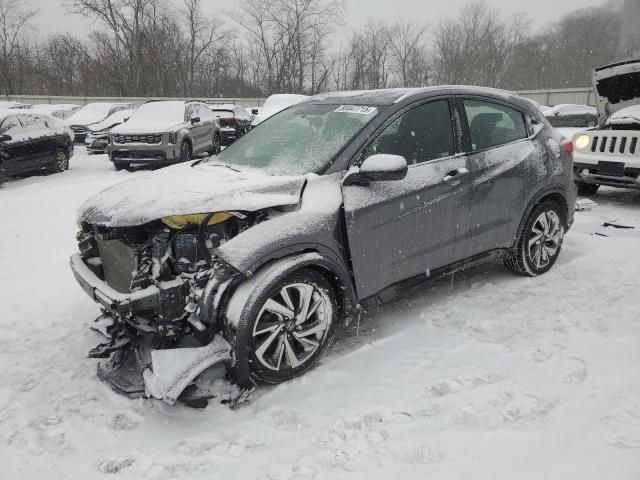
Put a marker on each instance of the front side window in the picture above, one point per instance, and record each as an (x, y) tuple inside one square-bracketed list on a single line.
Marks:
[(422, 134), (492, 125)]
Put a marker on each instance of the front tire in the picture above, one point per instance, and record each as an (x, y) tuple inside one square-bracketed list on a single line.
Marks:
[(185, 152), (587, 189), (540, 242), (283, 327)]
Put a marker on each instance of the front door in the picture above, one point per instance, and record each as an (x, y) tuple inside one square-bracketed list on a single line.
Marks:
[(15, 154), (401, 229)]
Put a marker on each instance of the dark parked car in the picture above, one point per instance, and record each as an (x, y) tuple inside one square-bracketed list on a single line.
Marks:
[(338, 203), (235, 121), (30, 142)]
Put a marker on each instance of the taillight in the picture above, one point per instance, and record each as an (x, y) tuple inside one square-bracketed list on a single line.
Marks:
[(568, 146)]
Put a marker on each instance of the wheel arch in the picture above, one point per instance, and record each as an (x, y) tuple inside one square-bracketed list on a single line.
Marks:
[(556, 194)]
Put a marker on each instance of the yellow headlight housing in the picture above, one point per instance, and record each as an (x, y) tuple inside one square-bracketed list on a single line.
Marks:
[(582, 142), (180, 221)]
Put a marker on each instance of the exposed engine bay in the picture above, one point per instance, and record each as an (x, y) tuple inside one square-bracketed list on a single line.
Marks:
[(165, 268)]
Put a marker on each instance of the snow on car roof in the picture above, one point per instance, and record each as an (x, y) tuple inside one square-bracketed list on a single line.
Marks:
[(223, 106), (570, 109), (16, 105)]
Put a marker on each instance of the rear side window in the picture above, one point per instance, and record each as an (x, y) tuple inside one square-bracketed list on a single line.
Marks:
[(492, 125), (422, 134)]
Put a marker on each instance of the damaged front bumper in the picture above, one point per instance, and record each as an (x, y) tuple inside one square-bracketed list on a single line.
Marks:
[(141, 357)]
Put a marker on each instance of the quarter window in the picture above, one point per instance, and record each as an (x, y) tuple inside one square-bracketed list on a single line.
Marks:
[(492, 125), (422, 134)]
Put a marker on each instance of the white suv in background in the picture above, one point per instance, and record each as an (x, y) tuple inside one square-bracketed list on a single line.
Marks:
[(610, 154)]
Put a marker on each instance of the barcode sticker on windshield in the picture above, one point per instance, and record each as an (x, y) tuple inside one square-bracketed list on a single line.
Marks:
[(361, 109)]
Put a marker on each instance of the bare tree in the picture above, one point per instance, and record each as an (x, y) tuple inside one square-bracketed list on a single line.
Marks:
[(15, 19), (408, 52)]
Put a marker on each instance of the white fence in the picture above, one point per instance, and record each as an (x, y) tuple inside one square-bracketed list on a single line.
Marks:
[(581, 96), (39, 99)]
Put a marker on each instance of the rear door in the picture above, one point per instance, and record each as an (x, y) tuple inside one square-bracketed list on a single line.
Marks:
[(500, 156), (402, 229), (42, 139)]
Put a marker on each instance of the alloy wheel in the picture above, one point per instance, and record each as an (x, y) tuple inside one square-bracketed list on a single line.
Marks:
[(545, 239), (62, 162), (291, 326)]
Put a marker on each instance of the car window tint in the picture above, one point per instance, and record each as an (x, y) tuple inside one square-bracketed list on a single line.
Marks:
[(492, 125), (10, 126), (422, 134)]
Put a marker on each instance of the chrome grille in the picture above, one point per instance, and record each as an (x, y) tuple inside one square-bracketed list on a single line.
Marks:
[(148, 139), (79, 129)]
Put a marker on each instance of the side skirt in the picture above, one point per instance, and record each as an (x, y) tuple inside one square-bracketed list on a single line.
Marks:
[(400, 289)]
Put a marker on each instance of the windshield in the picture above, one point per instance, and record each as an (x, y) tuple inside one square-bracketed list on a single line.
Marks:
[(160, 111), (303, 139)]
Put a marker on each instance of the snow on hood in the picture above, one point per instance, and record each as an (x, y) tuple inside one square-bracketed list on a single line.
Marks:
[(617, 87), (188, 189), (111, 120), (154, 117), (626, 115), (91, 113)]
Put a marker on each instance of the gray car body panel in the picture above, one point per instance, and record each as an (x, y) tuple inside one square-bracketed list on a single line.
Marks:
[(389, 227)]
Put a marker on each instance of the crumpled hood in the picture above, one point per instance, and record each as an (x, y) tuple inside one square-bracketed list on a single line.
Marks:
[(189, 189), (617, 87)]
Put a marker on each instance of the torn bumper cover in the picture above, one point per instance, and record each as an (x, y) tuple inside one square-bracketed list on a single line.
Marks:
[(134, 365)]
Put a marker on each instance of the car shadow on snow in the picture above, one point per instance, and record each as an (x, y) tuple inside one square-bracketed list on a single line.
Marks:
[(409, 309)]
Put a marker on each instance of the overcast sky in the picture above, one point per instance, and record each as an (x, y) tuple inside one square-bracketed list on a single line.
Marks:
[(54, 16)]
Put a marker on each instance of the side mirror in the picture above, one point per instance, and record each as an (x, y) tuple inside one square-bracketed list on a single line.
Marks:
[(125, 120), (378, 168), (195, 120), (5, 138), (254, 111)]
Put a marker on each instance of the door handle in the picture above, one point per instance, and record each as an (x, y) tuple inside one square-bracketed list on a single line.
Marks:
[(453, 177)]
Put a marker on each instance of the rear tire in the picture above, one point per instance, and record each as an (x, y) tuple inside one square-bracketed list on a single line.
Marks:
[(587, 189), (60, 162), (540, 242), (274, 346)]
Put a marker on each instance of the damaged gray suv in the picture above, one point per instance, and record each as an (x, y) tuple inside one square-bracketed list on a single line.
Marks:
[(252, 257)]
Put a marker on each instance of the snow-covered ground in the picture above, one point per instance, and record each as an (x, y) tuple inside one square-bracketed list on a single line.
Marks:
[(489, 377)]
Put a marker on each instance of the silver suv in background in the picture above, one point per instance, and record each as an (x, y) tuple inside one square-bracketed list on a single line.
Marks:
[(164, 132)]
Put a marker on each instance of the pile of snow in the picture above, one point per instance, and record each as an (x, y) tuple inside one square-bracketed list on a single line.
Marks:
[(490, 375)]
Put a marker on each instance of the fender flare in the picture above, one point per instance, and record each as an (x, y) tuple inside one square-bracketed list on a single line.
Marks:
[(535, 200)]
